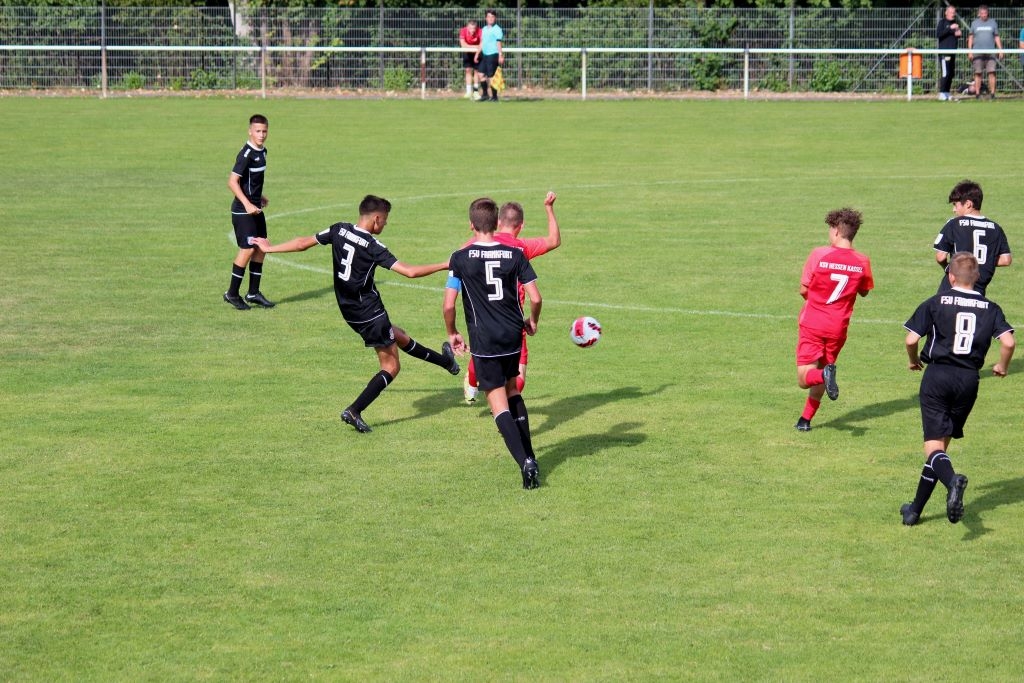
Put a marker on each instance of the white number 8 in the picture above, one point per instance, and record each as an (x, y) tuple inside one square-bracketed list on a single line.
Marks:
[(966, 323)]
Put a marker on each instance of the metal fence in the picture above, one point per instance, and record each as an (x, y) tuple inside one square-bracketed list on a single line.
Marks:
[(622, 49)]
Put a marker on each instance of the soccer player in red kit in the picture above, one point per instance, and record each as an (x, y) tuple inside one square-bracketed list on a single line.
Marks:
[(510, 224), (832, 278)]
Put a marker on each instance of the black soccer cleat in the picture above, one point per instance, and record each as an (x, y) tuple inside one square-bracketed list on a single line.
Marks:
[(259, 300), (828, 373), (353, 418), (803, 425), (236, 301), (910, 516), (446, 351), (955, 499), (531, 474)]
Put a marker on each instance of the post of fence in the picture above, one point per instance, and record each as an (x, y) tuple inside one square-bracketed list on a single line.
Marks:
[(103, 48), (263, 56), (583, 64), (746, 71), (423, 73)]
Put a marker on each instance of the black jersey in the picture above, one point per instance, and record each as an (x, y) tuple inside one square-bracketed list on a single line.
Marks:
[(979, 236), (250, 166), (491, 274), (356, 255), (959, 326), (945, 32)]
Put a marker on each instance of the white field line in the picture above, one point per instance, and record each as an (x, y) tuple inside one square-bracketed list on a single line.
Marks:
[(578, 304), (587, 305)]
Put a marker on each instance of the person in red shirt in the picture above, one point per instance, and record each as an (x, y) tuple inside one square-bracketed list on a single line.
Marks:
[(469, 41), (510, 224), (832, 278)]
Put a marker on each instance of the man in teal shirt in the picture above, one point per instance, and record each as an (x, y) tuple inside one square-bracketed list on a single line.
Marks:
[(490, 55)]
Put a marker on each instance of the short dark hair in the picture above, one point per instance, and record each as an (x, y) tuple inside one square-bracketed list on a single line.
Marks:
[(511, 214), (491, 12), (967, 190), (258, 118), (374, 204), (964, 268), (483, 214), (847, 221)]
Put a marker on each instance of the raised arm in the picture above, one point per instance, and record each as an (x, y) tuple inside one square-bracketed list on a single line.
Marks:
[(554, 238)]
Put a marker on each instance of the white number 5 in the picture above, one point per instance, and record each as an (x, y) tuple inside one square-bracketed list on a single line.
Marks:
[(494, 281)]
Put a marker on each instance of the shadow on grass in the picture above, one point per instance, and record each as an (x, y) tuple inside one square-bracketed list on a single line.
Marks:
[(586, 445), (429, 404), (571, 407), (852, 421), (305, 296), (996, 494)]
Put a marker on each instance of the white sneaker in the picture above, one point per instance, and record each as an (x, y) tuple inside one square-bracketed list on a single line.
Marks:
[(469, 392)]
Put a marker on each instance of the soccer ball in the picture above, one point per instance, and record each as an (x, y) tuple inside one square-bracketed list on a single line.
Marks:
[(585, 331)]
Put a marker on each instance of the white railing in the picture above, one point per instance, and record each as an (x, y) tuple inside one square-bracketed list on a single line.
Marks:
[(887, 59)]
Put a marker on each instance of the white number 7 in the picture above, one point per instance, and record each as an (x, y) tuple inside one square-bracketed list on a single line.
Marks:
[(840, 281)]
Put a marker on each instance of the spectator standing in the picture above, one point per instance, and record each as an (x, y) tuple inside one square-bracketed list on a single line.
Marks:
[(948, 34), (490, 56), (469, 41), (1020, 45), (984, 38)]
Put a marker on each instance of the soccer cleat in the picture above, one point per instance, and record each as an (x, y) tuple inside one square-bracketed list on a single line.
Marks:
[(469, 392), (353, 418), (803, 425), (910, 516), (236, 301), (446, 351), (531, 474), (955, 499), (259, 300), (828, 373)]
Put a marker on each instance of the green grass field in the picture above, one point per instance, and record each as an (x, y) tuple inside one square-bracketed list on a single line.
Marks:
[(179, 500)]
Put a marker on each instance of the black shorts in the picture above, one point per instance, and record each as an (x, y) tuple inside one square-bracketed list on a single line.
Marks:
[(495, 371), (487, 65), (376, 333), (468, 60), (947, 396), (248, 226)]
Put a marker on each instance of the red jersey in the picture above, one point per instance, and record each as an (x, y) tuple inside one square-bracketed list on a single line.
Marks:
[(834, 277), (469, 38)]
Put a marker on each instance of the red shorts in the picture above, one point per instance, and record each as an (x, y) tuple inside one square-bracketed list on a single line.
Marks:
[(813, 346), (524, 353)]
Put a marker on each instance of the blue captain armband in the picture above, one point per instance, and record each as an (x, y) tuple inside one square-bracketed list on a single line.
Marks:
[(453, 282)]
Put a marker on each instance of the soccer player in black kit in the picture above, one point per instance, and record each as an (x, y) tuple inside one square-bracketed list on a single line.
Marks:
[(969, 230), (356, 255), (246, 183), (489, 274), (958, 326)]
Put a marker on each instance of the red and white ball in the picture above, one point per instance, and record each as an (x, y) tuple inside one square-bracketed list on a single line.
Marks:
[(585, 331)]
